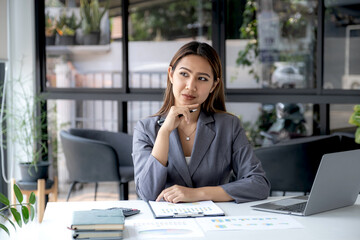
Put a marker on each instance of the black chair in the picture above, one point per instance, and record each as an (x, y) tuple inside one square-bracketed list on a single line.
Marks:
[(292, 167), (98, 156)]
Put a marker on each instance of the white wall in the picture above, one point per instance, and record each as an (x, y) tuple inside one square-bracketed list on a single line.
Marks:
[(3, 30), (22, 62)]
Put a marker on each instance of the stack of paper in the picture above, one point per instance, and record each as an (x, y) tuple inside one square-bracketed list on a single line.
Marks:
[(164, 209), (98, 224)]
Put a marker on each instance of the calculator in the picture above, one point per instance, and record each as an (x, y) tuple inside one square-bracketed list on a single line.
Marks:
[(129, 211), (126, 211)]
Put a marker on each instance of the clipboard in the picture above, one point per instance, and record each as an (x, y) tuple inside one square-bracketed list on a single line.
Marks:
[(164, 209)]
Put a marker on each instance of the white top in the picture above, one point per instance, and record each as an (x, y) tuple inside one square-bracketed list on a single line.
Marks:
[(188, 160)]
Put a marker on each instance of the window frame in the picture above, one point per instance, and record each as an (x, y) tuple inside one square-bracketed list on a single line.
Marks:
[(317, 96)]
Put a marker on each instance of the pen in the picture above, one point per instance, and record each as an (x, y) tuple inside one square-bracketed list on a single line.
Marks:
[(161, 121)]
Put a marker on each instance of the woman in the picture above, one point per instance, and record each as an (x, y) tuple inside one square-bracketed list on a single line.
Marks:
[(188, 150)]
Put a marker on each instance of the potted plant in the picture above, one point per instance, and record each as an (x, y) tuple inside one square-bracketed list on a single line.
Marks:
[(91, 19), (66, 29), (355, 120), (27, 209), (50, 29), (26, 130)]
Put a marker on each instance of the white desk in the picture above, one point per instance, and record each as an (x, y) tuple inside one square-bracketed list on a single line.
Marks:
[(337, 224)]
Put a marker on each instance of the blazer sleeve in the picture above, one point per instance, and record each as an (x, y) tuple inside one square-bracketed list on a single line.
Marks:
[(251, 183), (150, 174)]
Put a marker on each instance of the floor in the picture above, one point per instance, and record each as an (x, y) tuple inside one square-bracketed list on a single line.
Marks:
[(106, 192)]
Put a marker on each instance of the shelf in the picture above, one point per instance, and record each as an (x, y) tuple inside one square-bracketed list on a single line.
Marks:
[(79, 49)]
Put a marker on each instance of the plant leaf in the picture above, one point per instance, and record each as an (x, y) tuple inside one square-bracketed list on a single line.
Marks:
[(18, 193), (32, 198), (4, 199), (25, 214), (357, 135), (17, 216), (5, 229), (11, 222), (32, 212), (357, 108)]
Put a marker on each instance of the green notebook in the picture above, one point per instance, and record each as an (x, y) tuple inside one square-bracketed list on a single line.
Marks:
[(98, 219)]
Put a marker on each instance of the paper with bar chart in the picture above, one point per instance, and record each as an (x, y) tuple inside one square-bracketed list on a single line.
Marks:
[(247, 223)]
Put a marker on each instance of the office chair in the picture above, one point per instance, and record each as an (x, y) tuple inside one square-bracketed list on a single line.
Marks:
[(98, 156), (291, 167)]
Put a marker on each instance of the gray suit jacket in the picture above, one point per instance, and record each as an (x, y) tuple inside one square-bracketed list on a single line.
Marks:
[(220, 148)]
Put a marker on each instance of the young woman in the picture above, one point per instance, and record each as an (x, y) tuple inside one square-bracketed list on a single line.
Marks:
[(189, 149)]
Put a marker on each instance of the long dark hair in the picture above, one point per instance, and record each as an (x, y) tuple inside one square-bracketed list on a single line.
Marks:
[(216, 99)]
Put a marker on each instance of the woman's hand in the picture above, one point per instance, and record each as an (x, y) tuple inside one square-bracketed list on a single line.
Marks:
[(173, 120), (178, 193)]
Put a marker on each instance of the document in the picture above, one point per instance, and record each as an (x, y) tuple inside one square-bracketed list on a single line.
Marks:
[(164, 209), (164, 228), (267, 222)]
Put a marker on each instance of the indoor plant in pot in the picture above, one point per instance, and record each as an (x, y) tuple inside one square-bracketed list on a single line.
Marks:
[(91, 18), (66, 29), (50, 29), (26, 130)]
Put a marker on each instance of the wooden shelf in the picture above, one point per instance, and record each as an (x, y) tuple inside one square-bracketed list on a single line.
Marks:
[(78, 49)]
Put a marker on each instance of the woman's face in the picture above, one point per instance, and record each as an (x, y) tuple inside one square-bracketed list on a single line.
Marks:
[(192, 80)]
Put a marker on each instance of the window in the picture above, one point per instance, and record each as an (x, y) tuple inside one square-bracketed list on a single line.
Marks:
[(342, 44), (138, 110), (269, 124), (81, 53), (157, 29), (271, 44)]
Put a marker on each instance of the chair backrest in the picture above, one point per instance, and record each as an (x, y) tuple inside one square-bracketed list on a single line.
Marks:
[(89, 160), (119, 141), (292, 167), (347, 141)]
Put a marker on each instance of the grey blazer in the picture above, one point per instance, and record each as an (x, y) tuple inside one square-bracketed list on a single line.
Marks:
[(220, 148)]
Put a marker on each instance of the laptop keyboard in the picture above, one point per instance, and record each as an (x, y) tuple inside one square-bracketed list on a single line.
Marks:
[(299, 207)]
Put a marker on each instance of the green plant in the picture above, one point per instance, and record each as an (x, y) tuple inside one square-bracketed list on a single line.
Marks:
[(91, 15), (50, 25), (151, 21), (355, 120), (25, 123), (66, 26), (27, 209), (248, 30)]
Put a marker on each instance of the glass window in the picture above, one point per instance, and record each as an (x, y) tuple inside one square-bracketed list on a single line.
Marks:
[(339, 118), (139, 110), (268, 124), (342, 45), (91, 114), (157, 29), (81, 51), (271, 44)]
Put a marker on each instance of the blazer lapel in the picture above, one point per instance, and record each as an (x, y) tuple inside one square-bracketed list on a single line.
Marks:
[(204, 137), (178, 158)]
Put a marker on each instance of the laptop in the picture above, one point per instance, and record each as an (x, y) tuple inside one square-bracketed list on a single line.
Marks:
[(336, 185)]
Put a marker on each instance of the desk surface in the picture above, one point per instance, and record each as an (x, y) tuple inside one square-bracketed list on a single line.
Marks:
[(337, 224)]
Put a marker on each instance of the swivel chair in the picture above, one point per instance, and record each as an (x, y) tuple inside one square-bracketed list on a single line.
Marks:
[(292, 166)]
